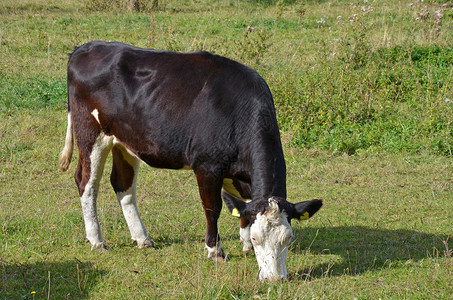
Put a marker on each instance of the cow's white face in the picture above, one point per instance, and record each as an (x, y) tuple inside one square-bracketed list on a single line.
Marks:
[(268, 229), (270, 235)]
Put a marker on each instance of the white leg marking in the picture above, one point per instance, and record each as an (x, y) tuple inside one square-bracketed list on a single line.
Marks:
[(128, 204), (216, 253), (98, 156), (244, 234)]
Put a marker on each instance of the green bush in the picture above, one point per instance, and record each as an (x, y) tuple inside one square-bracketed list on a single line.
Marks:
[(394, 100)]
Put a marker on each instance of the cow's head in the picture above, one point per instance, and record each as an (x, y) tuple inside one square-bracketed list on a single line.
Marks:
[(269, 229)]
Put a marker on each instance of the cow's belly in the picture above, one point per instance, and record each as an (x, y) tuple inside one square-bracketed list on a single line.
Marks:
[(155, 159), (158, 161)]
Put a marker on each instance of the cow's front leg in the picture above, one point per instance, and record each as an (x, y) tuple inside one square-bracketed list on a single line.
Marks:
[(124, 182), (210, 187), (244, 234)]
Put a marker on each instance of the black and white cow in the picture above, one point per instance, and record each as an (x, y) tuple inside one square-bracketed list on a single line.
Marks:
[(193, 111)]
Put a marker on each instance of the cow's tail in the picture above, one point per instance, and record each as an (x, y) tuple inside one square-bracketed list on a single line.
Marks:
[(66, 153)]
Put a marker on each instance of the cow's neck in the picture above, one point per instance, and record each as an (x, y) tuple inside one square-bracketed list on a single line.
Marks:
[(269, 173)]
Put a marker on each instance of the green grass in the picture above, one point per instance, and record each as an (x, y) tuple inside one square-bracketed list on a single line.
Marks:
[(381, 232), (364, 119)]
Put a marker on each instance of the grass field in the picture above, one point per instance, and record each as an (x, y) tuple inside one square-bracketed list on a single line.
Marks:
[(363, 91)]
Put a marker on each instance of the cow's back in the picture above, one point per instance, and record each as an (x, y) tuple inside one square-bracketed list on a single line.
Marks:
[(172, 105)]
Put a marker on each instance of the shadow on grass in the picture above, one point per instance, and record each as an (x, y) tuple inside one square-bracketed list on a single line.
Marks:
[(363, 249), (53, 280)]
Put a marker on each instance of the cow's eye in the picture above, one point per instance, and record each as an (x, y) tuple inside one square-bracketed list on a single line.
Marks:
[(253, 239)]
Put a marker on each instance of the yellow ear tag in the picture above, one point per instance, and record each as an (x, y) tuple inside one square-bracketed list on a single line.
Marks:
[(235, 213), (305, 216)]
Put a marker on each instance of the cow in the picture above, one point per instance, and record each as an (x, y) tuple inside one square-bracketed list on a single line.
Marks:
[(196, 111)]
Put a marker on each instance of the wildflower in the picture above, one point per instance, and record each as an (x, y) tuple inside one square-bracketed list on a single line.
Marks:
[(438, 18), (353, 18), (33, 292), (423, 14)]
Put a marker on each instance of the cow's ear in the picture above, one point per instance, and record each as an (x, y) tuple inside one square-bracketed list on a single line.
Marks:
[(235, 205), (306, 209)]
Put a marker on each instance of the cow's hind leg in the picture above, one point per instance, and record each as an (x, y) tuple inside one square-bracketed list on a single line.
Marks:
[(210, 188), (88, 176), (124, 182)]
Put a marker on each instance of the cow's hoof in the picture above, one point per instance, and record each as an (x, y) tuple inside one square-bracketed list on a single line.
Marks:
[(216, 253), (146, 243), (247, 249), (221, 259), (100, 247)]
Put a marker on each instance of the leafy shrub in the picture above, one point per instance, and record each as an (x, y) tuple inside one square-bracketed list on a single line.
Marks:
[(396, 99)]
